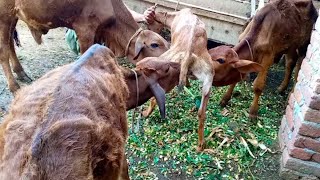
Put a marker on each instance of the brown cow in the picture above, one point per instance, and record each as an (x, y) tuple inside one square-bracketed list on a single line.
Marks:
[(69, 124), (107, 21), (280, 27)]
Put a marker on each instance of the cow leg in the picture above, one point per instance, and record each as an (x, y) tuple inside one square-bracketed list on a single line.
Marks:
[(124, 170), (302, 55), (297, 68), (16, 66), (184, 72), (152, 105), (227, 96), (207, 83), (291, 60), (259, 84), (85, 37), (4, 57)]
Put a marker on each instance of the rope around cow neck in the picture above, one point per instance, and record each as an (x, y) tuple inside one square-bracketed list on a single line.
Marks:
[(235, 52), (238, 59), (132, 37), (250, 49), (137, 84), (136, 108)]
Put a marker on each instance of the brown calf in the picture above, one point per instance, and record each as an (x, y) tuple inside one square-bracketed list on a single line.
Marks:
[(163, 75), (69, 124), (280, 27), (189, 36), (233, 69), (189, 48), (145, 43)]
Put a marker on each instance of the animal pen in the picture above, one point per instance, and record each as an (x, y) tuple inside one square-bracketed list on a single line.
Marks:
[(300, 126), (285, 142)]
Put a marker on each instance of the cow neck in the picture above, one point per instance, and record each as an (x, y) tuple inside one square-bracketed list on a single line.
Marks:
[(244, 50), (125, 26)]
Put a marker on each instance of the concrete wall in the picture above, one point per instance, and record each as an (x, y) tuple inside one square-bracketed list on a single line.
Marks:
[(299, 134), (221, 24)]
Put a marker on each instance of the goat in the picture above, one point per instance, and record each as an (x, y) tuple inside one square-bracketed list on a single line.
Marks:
[(69, 124)]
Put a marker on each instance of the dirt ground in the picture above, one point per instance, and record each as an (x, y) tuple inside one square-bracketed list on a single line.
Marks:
[(36, 59)]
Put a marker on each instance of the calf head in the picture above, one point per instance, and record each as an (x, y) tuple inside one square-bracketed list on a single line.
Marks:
[(146, 43), (228, 67), (161, 76)]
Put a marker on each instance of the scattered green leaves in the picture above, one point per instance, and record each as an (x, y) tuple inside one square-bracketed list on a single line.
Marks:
[(167, 148)]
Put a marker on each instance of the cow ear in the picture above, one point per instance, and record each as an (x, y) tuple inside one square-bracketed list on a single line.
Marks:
[(163, 68), (148, 71), (246, 66), (138, 48)]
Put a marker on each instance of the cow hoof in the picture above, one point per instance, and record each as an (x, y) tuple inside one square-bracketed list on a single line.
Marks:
[(281, 90), (236, 93), (180, 88), (200, 148), (22, 76), (253, 113), (253, 118), (223, 103)]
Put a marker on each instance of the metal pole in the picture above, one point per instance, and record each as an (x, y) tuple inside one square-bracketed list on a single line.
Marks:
[(253, 7), (261, 4)]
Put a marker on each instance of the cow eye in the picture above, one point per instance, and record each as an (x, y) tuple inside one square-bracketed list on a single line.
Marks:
[(221, 61), (154, 45)]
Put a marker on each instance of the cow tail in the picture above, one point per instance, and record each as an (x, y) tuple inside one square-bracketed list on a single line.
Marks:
[(16, 38)]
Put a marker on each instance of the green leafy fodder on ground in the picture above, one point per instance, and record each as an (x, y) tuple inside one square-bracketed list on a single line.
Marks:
[(235, 147)]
